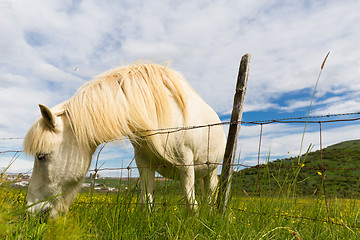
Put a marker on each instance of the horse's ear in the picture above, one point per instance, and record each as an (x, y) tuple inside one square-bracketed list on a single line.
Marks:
[(48, 116)]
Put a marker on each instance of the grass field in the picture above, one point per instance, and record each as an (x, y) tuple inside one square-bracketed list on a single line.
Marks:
[(278, 211), (101, 215)]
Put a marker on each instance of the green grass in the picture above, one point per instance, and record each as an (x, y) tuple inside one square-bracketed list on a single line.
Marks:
[(119, 216), (280, 210)]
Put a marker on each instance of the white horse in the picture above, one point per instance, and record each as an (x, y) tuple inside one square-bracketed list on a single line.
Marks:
[(124, 102)]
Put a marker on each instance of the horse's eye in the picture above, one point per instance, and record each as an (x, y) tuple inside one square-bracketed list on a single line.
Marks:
[(42, 156)]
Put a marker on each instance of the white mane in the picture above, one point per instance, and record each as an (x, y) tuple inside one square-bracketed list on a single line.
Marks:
[(119, 103)]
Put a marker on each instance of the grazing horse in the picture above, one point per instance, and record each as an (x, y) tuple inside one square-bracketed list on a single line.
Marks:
[(133, 102)]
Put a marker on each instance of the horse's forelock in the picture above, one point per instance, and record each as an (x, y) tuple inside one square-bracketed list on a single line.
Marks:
[(39, 138)]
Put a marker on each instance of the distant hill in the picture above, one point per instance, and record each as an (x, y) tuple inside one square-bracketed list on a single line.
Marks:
[(306, 178)]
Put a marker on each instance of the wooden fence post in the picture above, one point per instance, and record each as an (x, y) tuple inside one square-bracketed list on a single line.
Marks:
[(233, 135)]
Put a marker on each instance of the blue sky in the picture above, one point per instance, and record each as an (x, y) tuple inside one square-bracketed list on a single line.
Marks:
[(44, 41)]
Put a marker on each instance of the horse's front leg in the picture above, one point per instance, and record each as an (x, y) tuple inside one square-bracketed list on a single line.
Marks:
[(147, 180)]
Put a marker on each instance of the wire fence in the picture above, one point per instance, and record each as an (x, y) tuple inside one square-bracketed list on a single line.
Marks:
[(321, 169)]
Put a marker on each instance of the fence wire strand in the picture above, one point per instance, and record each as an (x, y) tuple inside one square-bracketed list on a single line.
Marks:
[(321, 119)]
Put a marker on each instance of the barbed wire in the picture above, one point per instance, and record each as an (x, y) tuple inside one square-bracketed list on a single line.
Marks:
[(319, 168), (255, 122), (259, 122), (12, 138), (11, 151)]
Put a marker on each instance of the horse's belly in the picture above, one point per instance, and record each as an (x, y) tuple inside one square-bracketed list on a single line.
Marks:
[(176, 171)]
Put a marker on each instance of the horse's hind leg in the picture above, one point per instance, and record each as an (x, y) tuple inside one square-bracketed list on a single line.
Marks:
[(210, 186), (147, 180)]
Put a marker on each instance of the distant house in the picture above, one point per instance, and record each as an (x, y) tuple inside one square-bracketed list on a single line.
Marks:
[(94, 175), (17, 179), (21, 184), (85, 185)]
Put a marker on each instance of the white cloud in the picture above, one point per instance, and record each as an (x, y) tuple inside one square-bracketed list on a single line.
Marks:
[(293, 105), (43, 41), (347, 105), (18, 166)]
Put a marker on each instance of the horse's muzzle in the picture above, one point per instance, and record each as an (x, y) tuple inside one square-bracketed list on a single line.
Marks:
[(40, 210)]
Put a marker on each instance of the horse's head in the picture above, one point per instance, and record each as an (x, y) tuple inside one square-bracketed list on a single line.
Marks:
[(60, 163)]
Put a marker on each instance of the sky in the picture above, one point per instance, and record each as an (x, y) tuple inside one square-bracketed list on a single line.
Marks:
[(50, 48)]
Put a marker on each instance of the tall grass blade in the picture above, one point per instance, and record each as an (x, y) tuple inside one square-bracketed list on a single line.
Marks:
[(312, 99)]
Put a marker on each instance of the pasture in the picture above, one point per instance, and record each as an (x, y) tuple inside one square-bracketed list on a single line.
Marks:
[(279, 214), (105, 215)]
